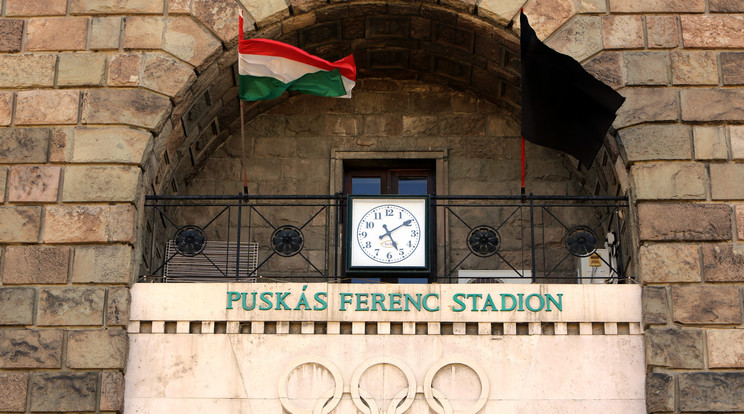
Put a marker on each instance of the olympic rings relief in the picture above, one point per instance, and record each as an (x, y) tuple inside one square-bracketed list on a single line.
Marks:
[(365, 403)]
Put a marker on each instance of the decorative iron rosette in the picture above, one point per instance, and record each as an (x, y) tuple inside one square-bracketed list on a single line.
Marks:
[(287, 241), (581, 241), (190, 240), (483, 241)]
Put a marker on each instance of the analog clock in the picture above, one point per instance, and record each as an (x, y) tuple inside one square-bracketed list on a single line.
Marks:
[(387, 233)]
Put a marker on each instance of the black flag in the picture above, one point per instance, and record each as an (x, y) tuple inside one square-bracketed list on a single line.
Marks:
[(563, 106)]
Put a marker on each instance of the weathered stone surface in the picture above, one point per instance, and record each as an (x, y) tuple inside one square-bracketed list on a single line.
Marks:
[(608, 68), (305, 5), (102, 264), (116, 6), (659, 392), (736, 134), (712, 104), (43, 107), (17, 306), (647, 105), (105, 33), (267, 11), (28, 348), (546, 16), (24, 145), (662, 32), (179, 6), (656, 142), (655, 306), (712, 31), (6, 108), (117, 311), (100, 183), (722, 176), (112, 391), (97, 349), (694, 67), (740, 222), (646, 68), (674, 348), (580, 38), (167, 76), (66, 33), (20, 71), (63, 391), (726, 348), (732, 66), (13, 388), (665, 181), (70, 306), (660, 6), (11, 35), (710, 143), (125, 106), (143, 32), (20, 224), (110, 145), (124, 69), (35, 7), (706, 304), (726, 6), (190, 42), (69, 223), (34, 183), (60, 145), (81, 69), (36, 264), (622, 32), (684, 221), (670, 262), (711, 391), (220, 16)]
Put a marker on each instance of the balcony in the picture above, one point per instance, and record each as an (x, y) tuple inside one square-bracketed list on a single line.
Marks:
[(301, 238)]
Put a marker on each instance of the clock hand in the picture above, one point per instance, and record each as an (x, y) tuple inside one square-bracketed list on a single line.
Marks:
[(405, 223), (387, 233)]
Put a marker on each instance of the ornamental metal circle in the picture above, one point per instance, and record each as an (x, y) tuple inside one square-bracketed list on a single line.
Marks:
[(483, 241), (287, 241), (190, 240), (581, 241)]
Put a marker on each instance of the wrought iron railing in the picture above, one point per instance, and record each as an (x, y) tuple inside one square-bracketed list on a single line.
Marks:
[(475, 239)]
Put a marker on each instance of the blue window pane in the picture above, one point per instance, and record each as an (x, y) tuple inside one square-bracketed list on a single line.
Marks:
[(412, 280), (365, 185), (412, 186)]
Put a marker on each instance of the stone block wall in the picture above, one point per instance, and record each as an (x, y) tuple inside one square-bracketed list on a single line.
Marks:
[(290, 151), (101, 101)]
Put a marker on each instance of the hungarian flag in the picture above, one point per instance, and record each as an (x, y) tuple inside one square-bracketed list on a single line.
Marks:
[(267, 68), (563, 106)]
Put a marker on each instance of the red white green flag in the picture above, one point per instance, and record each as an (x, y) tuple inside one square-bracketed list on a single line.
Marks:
[(267, 68)]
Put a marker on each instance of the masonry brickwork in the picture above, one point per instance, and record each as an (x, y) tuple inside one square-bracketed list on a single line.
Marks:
[(102, 102)]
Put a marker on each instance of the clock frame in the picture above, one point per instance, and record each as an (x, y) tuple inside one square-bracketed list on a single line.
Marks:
[(388, 233)]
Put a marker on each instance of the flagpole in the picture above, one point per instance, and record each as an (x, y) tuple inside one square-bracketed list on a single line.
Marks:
[(242, 150), (523, 192)]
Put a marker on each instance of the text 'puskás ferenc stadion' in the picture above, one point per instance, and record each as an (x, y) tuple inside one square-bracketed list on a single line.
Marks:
[(371, 206)]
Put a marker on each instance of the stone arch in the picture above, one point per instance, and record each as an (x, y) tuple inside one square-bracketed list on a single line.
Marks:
[(473, 50), (460, 45)]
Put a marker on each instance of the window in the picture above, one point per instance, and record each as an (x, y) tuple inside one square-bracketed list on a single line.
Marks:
[(374, 177)]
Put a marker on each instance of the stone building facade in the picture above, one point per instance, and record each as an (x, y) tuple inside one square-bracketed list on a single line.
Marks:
[(105, 101)]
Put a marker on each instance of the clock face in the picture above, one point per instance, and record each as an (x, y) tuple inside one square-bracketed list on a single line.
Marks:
[(388, 233)]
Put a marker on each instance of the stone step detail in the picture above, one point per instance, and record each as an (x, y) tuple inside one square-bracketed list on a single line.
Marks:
[(385, 328)]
